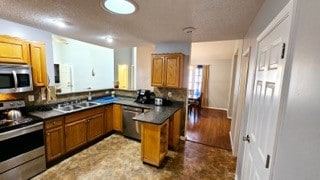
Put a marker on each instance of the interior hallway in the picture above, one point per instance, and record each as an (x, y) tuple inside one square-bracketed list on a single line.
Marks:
[(210, 127)]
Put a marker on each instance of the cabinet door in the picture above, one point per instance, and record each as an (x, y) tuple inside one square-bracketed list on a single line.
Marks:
[(54, 143), (117, 117), (174, 129), (173, 68), (157, 71), (38, 63), (95, 127), (13, 50), (76, 134), (108, 119)]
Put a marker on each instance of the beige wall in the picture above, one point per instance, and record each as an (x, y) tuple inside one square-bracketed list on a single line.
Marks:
[(143, 69), (219, 56)]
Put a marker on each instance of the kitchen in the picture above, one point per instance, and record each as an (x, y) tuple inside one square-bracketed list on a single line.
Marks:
[(268, 10)]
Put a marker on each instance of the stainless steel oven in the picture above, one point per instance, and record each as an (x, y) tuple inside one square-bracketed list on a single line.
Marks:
[(15, 78), (22, 153)]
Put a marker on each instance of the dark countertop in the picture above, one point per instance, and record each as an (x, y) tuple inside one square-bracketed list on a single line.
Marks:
[(159, 114), (156, 114)]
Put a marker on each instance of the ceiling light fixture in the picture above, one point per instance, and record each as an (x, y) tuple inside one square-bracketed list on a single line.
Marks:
[(189, 30), (60, 23), (119, 6), (109, 39)]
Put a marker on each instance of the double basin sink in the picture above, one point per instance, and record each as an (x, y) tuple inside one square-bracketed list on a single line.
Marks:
[(77, 106)]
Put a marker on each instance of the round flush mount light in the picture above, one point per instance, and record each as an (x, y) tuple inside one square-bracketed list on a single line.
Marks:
[(109, 39), (119, 6), (189, 30), (60, 23)]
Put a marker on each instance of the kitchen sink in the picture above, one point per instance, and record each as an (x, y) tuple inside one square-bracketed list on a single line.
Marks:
[(75, 107), (68, 108), (87, 104)]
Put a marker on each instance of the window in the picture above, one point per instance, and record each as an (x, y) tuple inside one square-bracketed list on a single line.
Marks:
[(195, 79)]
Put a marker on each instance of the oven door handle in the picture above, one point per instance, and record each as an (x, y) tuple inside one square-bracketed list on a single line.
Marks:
[(21, 131), (15, 79)]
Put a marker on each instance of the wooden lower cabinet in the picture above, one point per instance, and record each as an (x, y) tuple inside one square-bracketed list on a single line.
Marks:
[(108, 118), (117, 117), (154, 142), (76, 134), (54, 138), (95, 126), (174, 129)]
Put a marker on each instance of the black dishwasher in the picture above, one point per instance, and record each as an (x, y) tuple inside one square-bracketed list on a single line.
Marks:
[(131, 128)]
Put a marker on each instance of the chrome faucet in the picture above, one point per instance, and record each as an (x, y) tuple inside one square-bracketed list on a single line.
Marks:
[(89, 96)]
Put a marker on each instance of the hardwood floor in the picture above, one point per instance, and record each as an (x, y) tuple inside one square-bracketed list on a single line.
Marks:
[(210, 127)]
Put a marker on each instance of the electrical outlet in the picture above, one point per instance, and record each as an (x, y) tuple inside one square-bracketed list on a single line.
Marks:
[(169, 94), (43, 94), (30, 98)]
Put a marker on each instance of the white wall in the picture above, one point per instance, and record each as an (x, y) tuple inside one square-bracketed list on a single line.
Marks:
[(266, 13), (173, 47), (299, 139), (143, 68), (218, 55), (84, 58), (32, 34), (298, 144)]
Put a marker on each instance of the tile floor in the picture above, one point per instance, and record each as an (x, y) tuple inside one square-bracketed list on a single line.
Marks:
[(116, 157)]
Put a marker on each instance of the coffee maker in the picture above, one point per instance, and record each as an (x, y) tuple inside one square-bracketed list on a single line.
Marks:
[(144, 96)]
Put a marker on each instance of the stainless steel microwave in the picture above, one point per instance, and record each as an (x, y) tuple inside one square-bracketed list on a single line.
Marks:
[(15, 78)]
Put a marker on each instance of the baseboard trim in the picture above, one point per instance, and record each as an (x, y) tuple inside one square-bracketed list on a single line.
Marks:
[(231, 142), (216, 108)]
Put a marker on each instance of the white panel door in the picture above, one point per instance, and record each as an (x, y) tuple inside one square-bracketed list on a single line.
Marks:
[(264, 110), (66, 82)]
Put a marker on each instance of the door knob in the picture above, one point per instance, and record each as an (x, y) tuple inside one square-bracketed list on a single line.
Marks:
[(246, 138)]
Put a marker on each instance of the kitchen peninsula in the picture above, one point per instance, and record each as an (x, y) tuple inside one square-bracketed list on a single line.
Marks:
[(160, 128)]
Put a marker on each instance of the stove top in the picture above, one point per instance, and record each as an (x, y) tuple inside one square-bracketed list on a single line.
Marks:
[(7, 124)]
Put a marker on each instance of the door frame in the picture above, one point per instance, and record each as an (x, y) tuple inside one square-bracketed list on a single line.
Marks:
[(288, 11)]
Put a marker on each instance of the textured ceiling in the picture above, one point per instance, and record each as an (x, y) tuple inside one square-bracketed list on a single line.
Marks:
[(155, 21)]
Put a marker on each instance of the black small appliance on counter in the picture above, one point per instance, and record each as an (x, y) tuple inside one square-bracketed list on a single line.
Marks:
[(145, 96)]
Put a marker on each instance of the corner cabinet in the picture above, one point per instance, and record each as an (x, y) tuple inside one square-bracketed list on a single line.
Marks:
[(54, 138), (13, 50), (167, 70), (38, 64)]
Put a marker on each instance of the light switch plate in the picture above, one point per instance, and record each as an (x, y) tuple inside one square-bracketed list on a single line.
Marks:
[(30, 98)]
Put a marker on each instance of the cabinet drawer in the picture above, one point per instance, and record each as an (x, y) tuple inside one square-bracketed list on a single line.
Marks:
[(83, 114), (55, 122)]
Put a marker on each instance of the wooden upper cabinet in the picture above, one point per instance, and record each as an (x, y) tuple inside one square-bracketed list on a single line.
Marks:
[(38, 63), (157, 71), (167, 70), (13, 50)]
